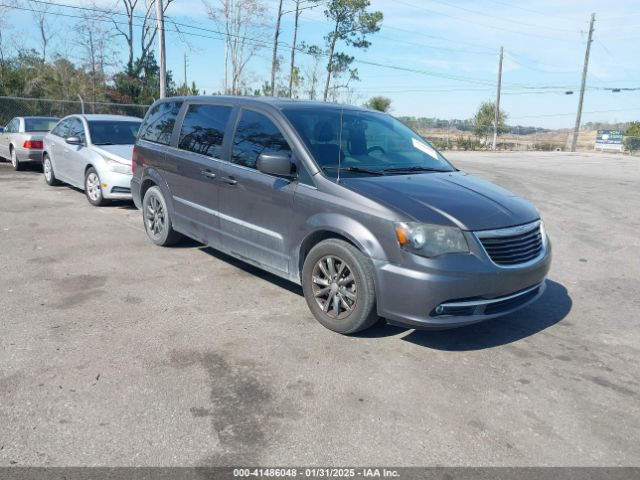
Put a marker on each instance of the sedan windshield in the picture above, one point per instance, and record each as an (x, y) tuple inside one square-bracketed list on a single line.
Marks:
[(39, 124), (352, 143), (109, 132)]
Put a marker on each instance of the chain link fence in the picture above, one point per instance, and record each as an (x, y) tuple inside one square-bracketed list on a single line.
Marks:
[(11, 107)]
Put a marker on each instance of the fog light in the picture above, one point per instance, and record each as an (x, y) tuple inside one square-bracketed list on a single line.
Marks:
[(439, 310)]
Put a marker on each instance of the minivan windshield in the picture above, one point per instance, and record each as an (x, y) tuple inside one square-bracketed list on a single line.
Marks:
[(347, 142), (110, 132)]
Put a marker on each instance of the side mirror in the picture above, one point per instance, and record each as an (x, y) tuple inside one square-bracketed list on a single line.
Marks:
[(74, 141), (277, 163), (1, 129)]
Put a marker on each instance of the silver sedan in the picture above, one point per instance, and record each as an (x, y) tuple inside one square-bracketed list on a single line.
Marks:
[(93, 153), (21, 139)]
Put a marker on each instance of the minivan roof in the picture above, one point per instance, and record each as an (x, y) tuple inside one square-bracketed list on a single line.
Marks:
[(278, 102)]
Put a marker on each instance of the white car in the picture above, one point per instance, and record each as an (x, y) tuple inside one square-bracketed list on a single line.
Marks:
[(92, 152), (21, 139)]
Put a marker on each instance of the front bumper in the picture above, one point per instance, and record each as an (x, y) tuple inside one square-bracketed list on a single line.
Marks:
[(457, 291), (115, 186)]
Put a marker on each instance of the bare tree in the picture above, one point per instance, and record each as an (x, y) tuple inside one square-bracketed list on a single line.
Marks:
[(293, 73), (313, 70), (96, 47), (141, 14), (274, 60), (41, 12), (242, 21)]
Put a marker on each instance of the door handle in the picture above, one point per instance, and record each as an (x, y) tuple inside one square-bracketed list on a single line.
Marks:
[(229, 180), (208, 173)]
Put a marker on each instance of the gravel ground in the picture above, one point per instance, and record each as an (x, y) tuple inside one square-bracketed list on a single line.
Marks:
[(116, 352)]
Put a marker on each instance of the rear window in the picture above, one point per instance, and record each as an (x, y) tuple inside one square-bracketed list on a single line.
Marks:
[(203, 129), (158, 125), (39, 124)]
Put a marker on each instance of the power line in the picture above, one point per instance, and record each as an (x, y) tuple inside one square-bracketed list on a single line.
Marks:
[(485, 25), (477, 12), (253, 41)]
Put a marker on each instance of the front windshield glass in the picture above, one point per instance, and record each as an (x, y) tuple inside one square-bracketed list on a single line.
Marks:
[(369, 143), (39, 124), (109, 132)]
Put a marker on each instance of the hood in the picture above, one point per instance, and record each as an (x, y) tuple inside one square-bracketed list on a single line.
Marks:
[(453, 197), (118, 153)]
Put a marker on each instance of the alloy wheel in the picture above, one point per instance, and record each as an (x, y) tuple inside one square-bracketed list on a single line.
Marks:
[(93, 186), (14, 158), (155, 216), (334, 287), (47, 169)]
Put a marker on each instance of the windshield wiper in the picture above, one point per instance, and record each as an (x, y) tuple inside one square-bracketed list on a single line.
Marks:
[(104, 143), (356, 170), (413, 169)]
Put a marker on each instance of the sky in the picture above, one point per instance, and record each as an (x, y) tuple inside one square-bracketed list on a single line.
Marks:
[(435, 58)]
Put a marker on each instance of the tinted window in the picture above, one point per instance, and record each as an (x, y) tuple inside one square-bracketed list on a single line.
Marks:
[(158, 125), (113, 132), (76, 129), (39, 124), (63, 128), (256, 134), (203, 129)]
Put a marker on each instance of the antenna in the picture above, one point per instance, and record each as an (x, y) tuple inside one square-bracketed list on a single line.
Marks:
[(340, 145)]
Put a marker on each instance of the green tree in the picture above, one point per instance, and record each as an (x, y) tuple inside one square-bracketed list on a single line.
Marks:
[(382, 104), (482, 122), (352, 23), (632, 137)]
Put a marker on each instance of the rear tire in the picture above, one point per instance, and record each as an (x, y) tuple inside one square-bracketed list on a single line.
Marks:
[(17, 166), (337, 281), (93, 188), (156, 218), (47, 169)]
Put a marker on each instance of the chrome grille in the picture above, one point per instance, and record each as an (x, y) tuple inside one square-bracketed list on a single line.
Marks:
[(513, 246)]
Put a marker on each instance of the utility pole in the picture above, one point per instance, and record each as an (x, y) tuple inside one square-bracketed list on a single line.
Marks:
[(274, 60), (185, 71), (163, 63), (576, 129), (496, 115)]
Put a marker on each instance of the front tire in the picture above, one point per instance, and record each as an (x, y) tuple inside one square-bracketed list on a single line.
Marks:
[(47, 169), (93, 188), (157, 221), (337, 281), (17, 166)]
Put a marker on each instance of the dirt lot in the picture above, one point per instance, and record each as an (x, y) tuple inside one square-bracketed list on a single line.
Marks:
[(117, 352)]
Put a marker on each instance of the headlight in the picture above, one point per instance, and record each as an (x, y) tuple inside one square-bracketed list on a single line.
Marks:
[(428, 240), (117, 166)]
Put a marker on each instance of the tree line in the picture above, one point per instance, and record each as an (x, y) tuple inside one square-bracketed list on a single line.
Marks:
[(112, 55)]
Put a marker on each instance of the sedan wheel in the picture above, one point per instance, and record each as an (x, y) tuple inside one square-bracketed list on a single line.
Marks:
[(49, 175), (14, 160), (92, 188)]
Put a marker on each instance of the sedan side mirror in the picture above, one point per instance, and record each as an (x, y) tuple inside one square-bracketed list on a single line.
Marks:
[(276, 163), (74, 141), (1, 129)]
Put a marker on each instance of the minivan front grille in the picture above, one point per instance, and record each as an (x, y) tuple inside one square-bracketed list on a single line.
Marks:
[(513, 246)]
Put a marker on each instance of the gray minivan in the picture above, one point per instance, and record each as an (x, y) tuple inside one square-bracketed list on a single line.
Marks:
[(353, 205)]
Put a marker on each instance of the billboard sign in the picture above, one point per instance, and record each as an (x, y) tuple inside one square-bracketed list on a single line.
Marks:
[(609, 140)]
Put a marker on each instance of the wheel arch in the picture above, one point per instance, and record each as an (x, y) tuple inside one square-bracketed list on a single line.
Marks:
[(341, 228)]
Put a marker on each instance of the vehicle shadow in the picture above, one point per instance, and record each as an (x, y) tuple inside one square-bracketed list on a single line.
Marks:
[(250, 269), (554, 305)]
